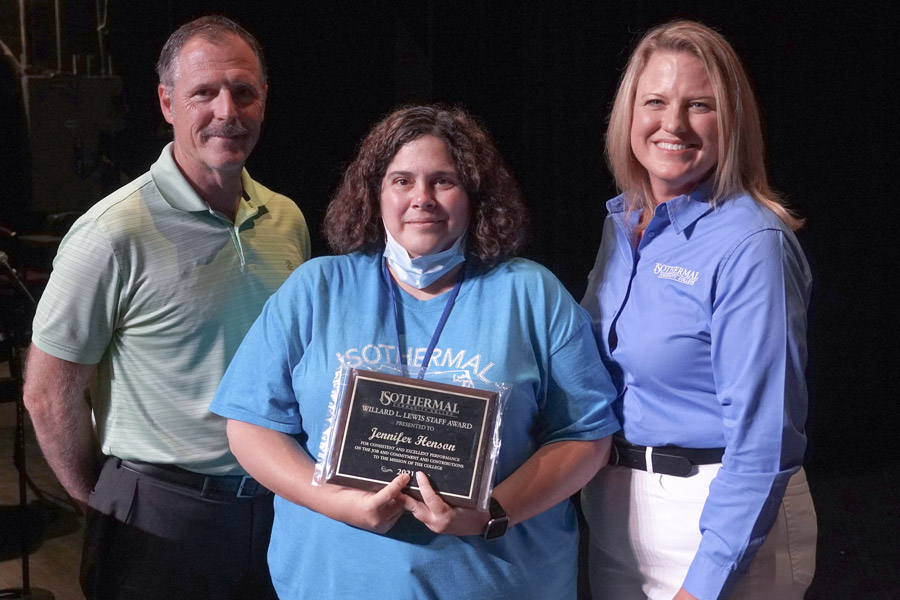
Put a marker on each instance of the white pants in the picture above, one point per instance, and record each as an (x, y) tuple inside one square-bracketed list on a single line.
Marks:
[(644, 532)]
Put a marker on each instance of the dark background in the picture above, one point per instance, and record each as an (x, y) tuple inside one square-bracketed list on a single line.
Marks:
[(541, 78)]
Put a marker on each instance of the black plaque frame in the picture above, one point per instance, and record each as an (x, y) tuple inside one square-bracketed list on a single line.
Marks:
[(387, 424)]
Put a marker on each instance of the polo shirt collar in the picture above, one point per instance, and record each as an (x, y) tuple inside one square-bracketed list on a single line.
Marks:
[(179, 194)]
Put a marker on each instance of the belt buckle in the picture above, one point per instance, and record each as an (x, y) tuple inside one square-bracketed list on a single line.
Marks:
[(240, 491), (668, 464), (614, 455)]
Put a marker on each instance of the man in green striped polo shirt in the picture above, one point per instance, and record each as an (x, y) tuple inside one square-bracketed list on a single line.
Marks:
[(152, 292)]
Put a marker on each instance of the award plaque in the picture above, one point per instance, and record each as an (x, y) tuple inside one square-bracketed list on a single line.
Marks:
[(389, 425)]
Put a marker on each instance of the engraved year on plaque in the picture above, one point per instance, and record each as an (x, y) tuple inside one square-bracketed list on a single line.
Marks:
[(389, 425)]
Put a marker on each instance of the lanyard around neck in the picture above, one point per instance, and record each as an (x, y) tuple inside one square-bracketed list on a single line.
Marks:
[(437, 331)]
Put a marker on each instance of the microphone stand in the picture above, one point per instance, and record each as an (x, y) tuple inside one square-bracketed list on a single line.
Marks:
[(16, 374)]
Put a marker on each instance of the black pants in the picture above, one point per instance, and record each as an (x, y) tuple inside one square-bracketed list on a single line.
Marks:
[(149, 539)]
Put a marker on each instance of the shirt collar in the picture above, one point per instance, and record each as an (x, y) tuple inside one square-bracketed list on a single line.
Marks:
[(686, 209), (178, 192), (616, 205), (682, 211)]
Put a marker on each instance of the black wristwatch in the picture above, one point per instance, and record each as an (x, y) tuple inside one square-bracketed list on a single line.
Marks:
[(496, 527)]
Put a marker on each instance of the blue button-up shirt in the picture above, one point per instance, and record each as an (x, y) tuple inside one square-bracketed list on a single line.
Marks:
[(703, 327)]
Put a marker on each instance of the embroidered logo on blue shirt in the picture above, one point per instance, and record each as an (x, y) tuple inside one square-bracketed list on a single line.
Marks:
[(679, 274)]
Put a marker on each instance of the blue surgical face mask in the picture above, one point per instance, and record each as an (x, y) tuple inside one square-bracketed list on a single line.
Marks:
[(422, 271)]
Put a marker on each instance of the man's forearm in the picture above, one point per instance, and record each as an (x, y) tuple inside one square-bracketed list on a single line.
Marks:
[(54, 395), (65, 437)]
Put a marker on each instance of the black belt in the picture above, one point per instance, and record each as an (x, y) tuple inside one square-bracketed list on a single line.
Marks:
[(238, 486), (668, 460)]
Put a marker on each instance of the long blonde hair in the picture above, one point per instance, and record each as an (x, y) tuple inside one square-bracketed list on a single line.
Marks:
[(741, 161)]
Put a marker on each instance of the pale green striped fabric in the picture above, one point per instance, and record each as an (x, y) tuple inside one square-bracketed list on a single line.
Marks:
[(158, 291)]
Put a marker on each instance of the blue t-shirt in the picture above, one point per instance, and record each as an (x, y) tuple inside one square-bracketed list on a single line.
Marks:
[(703, 328), (513, 324)]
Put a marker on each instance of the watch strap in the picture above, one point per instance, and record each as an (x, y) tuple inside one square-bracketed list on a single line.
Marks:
[(499, 521)]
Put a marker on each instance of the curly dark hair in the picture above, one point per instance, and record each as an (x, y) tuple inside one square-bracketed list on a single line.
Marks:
[(498, 226)]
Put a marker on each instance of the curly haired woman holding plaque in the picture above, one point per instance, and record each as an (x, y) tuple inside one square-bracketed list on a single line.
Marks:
[(425, 221)]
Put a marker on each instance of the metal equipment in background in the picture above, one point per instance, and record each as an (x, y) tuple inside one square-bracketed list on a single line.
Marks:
[(69, 108)]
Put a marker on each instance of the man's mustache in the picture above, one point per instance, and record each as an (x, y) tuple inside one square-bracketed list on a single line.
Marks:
[(228, 130)]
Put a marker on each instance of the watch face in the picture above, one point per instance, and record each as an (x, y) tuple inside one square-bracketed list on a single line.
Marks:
[(496, 528)]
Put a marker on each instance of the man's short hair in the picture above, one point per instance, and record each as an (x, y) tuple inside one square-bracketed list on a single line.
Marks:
[(212, 28)]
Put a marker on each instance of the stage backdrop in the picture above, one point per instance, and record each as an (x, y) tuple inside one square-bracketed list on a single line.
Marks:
[(541, 75)]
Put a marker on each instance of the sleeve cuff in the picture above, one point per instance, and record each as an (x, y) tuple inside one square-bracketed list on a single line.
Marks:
[(223, 409), (707, 580)]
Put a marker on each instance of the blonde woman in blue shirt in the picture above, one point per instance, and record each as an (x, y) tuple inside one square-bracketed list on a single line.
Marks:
[(699, 297)]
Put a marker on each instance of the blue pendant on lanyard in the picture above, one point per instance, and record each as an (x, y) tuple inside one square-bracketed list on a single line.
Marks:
[(440, 326)]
